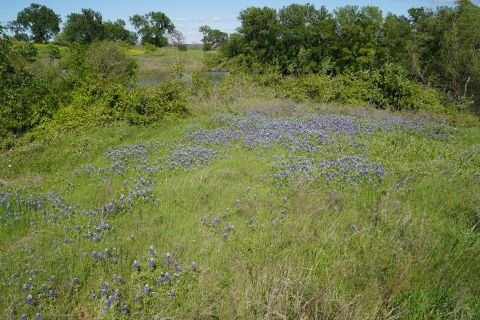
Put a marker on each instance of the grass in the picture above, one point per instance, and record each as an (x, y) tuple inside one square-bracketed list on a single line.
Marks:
[(157, 65), (403, 248)]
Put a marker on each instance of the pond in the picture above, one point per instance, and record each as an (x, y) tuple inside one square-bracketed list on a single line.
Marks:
[(154, 79)]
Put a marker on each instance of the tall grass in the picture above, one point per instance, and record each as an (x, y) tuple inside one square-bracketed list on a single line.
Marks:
[(403, 248)]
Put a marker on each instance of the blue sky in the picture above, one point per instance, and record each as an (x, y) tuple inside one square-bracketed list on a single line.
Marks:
[(189, 15)]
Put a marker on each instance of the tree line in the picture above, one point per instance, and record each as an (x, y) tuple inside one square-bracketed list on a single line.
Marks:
[(439, 48), (40, 24)]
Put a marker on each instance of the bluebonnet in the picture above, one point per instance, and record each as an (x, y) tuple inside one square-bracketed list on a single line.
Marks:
[(146, 289), (136, 265)]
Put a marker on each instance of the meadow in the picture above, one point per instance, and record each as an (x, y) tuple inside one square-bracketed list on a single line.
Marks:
[(266, 210), (311, 165)]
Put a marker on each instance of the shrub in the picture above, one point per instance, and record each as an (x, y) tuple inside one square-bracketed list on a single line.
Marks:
[(235, 86), (395, 91), (352, 89), (149, 48), (153, 104), (109, 63), (94, 106), (313, 87), (201, 85)]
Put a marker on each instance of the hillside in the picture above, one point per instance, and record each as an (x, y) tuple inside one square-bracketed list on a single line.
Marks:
[(285, 211)]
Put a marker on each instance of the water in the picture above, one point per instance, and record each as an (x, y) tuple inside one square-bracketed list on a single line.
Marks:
[(154, 79)]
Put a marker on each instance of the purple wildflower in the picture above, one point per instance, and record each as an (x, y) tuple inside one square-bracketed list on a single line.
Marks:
[(146, 289), (136, 265)]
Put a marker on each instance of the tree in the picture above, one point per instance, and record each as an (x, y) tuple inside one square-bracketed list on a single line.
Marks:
[(84, 28), (41, 21), (358, 31), (177, 39), (152, 27), (16, 87), (212, 38), (459, 57), (260, 28), (306, 34), (396, 34), (116, 31)]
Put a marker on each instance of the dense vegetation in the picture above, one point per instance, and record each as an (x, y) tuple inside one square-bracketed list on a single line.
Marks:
[(435, 48), (333, 173), (429, 60)]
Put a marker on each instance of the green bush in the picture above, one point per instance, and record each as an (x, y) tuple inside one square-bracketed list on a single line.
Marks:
[(387, 88), (201, 85), (94, 106), (395, 91), (313, 87), (18, 87), (149, 48), (352, 89), (236, 86), (154, 104)]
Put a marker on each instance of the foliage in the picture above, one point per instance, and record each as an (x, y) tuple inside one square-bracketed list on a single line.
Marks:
[(93, 217), (54, 52), (201, 85), (438, 48), (116, 31), (84, 27), (40, 21), (152, 27), (212, 38), (317, 88), (177, 39), (149, 48), (17, 87), (93, 105)]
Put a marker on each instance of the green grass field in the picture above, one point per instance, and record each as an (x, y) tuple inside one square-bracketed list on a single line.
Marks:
[(155, 66), (281, 212)]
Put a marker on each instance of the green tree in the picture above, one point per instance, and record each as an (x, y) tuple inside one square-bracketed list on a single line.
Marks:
[(40, 21), (261, 29), (16, 87), (177, 40), (423, 46), (212, 38), (116, 31), (306, 35), (84, 27), (396, 35), (358, 31), (460, 53), (153, 27)]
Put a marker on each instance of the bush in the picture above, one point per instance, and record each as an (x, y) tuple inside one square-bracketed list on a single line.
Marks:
[(92, 106), (235, 87), (109, 63), (149, 48), (394, 91), (201, 85), (153, 104), (313, 87), (352, 89)]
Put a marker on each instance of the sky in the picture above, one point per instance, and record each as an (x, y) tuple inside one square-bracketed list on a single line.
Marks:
[(189, 15)]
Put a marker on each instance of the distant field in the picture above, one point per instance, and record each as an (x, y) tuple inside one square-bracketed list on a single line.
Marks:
[(282, 212), (155, 66)]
